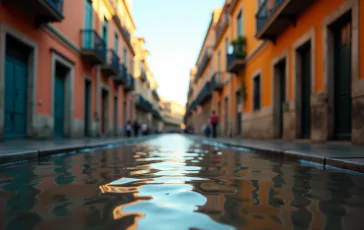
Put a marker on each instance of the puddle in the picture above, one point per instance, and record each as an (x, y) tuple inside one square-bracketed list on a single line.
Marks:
[(175, 182)]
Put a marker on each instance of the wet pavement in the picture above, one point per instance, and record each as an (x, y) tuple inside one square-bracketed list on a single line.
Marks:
[(177, 182)]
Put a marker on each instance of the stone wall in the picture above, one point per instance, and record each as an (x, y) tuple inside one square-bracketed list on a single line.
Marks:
[(258, 124)]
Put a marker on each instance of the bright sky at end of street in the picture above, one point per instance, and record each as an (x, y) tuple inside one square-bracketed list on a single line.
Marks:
[(174, 31)]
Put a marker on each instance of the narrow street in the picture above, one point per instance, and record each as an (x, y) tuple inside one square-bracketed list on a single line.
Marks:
[(177, 182)]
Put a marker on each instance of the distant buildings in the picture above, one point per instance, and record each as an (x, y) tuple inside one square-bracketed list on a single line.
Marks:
[(173, 113), (282, 69)]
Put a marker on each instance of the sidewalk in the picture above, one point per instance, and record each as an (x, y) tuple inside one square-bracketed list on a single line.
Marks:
[(19, 150), (337, 154)]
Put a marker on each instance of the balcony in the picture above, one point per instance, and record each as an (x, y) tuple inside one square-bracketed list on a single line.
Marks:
[(236, 60), (122, 77), (123, 29), (157, 114), (93, 49), (205, 94), (42, 11), (223, 25), (112, 66), (129, 84), (155, 94), (203, 63), (191, 107), (217, 83), (143, 104), (274, 16), (143, 75)]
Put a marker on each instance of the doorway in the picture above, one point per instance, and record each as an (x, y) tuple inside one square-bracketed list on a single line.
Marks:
[(15, 103), (104, 110), (59, 100), (280, 96), (116, 116), (305, 94), (238, 112), (87, 108), (342, 34)]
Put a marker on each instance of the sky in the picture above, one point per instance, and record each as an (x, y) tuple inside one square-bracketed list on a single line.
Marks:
[(174, 31)]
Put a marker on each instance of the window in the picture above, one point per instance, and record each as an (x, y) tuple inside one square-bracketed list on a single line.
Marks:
[(116, 43), (240, 24), (104, 30), (125, 57), (256, 92)]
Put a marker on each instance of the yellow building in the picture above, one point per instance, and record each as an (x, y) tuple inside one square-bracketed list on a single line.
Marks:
[(291, 77), (146, 97), (172, 113)]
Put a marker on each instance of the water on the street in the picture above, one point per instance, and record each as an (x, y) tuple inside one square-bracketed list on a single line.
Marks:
[(176, 182)]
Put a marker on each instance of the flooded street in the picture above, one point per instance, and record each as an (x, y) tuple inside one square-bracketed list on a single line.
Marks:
[(177, 182)]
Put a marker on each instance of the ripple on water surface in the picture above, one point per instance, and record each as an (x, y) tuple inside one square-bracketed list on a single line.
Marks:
[(175, 182)]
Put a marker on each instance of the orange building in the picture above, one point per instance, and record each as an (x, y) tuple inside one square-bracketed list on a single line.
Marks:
[(296, 67), (66, 68)]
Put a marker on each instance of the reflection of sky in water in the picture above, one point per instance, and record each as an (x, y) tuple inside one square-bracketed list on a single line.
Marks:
[(172, 207)]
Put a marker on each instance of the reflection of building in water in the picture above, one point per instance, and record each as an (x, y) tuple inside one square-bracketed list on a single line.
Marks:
[(274, 197)]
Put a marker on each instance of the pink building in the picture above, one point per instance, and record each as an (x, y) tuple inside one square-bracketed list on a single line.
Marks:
[(66, 68)]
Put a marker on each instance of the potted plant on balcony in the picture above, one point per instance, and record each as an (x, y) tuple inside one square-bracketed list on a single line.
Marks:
[(239, 46)]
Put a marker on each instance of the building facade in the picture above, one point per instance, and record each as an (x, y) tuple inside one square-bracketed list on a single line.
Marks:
[(146, 96), (67, 68), (295, 70), (172, 113)]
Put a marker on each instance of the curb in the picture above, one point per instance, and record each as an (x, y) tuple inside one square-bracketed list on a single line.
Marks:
[(334, 162), (36, 154)]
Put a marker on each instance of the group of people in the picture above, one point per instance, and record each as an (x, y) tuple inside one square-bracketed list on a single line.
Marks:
[(211, 125), (136, 126)]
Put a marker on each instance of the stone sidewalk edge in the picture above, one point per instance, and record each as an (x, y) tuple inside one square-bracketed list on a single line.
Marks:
[(35, 154), (338, 163)]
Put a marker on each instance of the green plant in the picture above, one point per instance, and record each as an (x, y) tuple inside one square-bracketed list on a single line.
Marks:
[(239, 46), (243, 92), (239, 40)]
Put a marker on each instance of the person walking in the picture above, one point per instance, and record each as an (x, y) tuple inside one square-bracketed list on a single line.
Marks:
[(207, 129), (136, 128), (214, 120), (145, 129), (128, 128)]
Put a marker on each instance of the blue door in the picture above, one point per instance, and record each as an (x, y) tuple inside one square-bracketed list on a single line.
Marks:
[(15, 95), (87, 107), (88, 24), (59, 105), (342, 79)]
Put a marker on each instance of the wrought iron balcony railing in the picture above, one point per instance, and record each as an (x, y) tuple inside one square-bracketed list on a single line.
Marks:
[(274, 16), (205, 59), (122, 76), (130, 83), (224, 23), (93, 47), (41, 11), (144, 104), (112, 66)]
